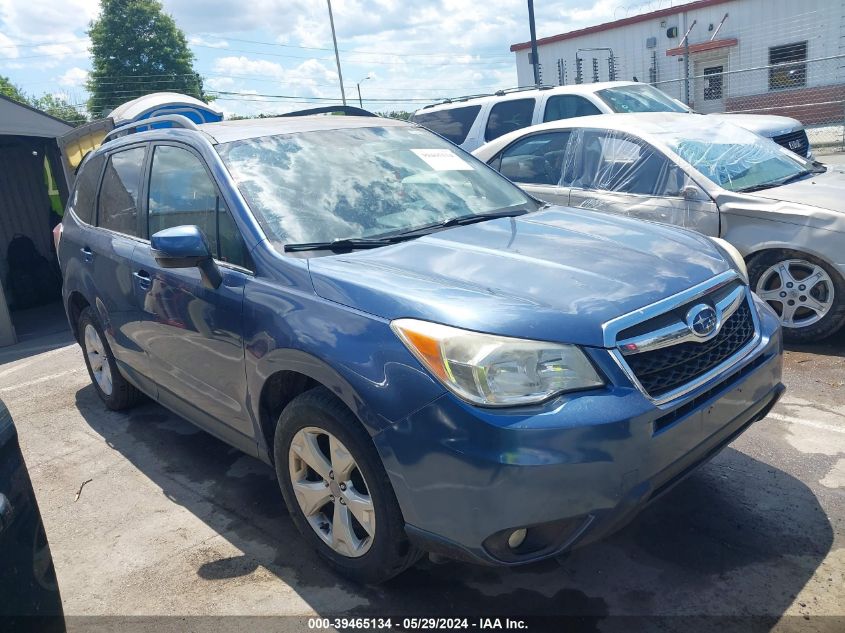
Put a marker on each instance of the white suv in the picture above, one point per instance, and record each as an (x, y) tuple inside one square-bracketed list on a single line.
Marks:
[(470, 122)]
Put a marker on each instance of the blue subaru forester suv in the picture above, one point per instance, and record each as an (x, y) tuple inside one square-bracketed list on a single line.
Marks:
[(430, 359)]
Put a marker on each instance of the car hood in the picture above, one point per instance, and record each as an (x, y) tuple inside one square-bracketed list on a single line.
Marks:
[(767, 125), (825, 191), (556, 274)]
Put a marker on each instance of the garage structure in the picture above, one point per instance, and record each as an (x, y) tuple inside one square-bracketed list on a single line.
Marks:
[(33, 191)]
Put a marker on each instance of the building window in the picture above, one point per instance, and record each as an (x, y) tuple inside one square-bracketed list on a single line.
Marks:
[(788, 66)]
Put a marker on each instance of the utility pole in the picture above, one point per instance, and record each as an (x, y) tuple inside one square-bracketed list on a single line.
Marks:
[(336, 54), (533, 30)]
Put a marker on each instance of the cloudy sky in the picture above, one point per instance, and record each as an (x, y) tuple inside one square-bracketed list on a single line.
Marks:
[(255, 53)]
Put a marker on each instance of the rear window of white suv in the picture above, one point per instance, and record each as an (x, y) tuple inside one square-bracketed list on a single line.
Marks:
[(452, 124)]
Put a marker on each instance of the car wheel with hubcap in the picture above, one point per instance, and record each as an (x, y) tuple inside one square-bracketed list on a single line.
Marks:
[(114, 390), (805, 292), (337, 491)]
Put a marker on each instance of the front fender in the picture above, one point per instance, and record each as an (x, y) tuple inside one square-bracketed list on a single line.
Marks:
[(754, 234), (355, 355)]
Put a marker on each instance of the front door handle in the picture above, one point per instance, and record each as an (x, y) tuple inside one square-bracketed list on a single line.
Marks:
[(143, 278), (87, 254)]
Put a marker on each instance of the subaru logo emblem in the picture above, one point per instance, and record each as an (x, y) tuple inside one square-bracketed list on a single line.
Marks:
[(702, 320)]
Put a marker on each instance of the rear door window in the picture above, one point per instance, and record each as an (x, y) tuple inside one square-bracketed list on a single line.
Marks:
[(613, 161), (508, 116), (453, 123), (118, 208), (84, 198), (567, 107)]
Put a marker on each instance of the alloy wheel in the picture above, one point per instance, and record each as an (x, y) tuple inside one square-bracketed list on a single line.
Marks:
[(95, 350), (331, 492), (801, 292)]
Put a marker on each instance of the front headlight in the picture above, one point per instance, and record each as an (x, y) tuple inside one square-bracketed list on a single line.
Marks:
[(493, 370), (732, 255)]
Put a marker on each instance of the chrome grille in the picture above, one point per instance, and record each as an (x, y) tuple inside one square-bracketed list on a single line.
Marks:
[(665, 351), (665, 369)]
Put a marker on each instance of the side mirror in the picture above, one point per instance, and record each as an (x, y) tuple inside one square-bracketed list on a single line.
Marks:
[(186, 247), (691, 192)]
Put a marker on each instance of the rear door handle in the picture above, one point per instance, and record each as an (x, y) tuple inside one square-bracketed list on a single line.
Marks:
[(87, 254), (143, 278)]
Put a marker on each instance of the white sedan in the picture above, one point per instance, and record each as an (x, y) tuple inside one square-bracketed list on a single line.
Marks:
[(785, 214)]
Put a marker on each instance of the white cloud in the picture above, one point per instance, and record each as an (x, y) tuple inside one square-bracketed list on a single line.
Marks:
[(8, 48), (417, 51), (73, 77), (196, 40)]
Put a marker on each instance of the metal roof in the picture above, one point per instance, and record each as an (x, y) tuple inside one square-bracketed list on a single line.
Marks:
[(607, 26), (23, 120)]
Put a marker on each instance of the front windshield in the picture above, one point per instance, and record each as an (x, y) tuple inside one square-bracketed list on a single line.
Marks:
[(734, 158), (639, 98), (361, 182)]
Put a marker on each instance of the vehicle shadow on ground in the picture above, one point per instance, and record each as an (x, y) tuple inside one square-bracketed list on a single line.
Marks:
[(832, 346), (739, 537)]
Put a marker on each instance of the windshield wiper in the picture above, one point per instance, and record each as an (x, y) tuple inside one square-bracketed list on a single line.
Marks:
[(343, 244), (462, 220), (356, 243)]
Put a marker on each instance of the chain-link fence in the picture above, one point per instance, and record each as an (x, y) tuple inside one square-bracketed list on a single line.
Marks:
[(812, 91)]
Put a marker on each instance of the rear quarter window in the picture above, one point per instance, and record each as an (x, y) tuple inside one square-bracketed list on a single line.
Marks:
[(84, 198), (453, 124)]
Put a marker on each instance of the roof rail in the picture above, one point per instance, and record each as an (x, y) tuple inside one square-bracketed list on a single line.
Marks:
[(177, 120), (498, 93), (347, 110)]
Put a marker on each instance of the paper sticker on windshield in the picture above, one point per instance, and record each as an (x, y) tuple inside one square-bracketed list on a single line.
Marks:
[(443, 160)]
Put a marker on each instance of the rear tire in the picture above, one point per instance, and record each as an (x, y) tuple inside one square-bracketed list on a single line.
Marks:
[(809, 311), (316, 436), (114, 390)]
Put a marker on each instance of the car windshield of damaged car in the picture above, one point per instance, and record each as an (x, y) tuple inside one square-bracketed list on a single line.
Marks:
[(738, 160), (365, 187)]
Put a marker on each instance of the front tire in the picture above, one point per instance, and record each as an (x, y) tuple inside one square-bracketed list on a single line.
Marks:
[(806, 292), (337, 491), (114, 390)]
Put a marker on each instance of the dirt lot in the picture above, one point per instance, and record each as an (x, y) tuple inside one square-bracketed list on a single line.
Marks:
[(174, 522)]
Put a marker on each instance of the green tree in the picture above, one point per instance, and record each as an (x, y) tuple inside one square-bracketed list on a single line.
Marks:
[(59, 108), (8, 89), (137, 49), (397, 114), (52, 105)]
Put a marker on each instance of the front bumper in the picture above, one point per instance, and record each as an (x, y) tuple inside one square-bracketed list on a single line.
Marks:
[(571, 471)]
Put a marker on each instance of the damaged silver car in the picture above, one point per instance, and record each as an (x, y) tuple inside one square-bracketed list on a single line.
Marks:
[(784, 214)]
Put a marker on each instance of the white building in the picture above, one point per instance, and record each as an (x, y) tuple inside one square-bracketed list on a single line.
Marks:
[(776, 56)]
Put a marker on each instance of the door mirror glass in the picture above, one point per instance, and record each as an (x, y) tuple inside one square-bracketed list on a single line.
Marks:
[(185, 247)]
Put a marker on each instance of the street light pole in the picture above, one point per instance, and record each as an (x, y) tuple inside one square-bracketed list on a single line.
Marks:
[(358, 85), (336, 54)]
